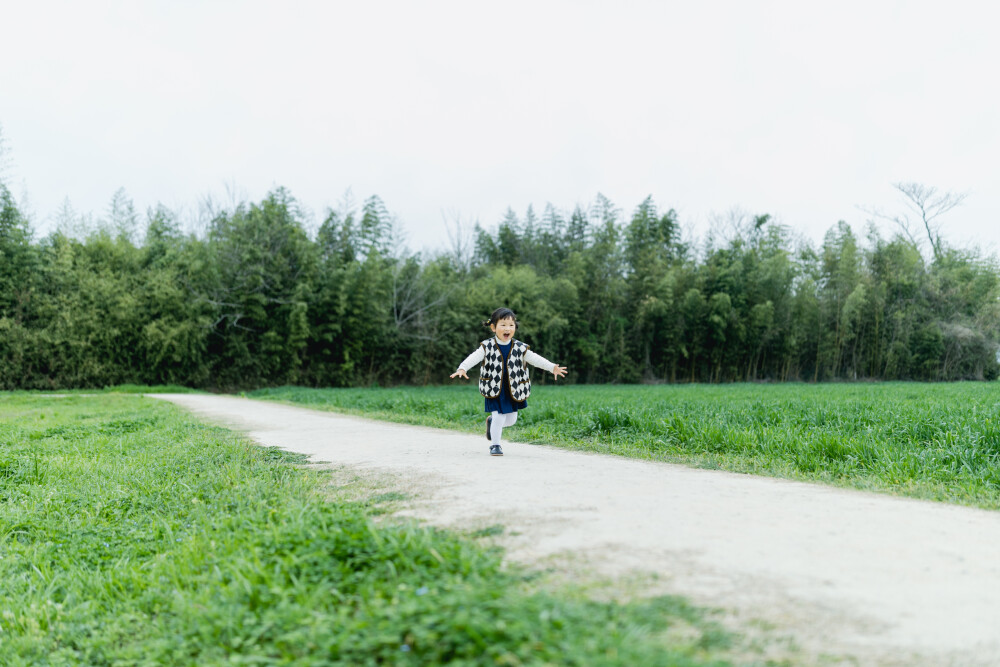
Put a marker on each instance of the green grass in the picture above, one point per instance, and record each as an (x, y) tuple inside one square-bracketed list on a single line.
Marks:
[(133, 535), (150, 389), (933, 441), (114, 389)]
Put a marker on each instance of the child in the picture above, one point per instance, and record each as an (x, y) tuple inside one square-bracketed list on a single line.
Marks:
[(503, 377)]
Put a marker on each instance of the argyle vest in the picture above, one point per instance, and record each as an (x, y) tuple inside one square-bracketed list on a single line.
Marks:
[(491, 372)]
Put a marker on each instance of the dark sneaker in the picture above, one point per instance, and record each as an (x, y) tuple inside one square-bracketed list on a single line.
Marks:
[(495, 450), (489, 420)]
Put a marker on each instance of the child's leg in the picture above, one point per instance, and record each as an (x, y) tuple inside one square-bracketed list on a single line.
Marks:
[(496, 427), (498, 424)]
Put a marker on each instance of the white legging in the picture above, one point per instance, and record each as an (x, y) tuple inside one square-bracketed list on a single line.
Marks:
[(499, 421)]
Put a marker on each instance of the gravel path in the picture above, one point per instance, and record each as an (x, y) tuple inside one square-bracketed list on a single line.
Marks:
[(886, 580)]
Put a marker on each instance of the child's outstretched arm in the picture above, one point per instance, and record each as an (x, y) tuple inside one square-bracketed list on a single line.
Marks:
[(468, 363), (539, 361)]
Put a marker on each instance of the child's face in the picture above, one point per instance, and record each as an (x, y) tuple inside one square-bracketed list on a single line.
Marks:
[(504, 329)]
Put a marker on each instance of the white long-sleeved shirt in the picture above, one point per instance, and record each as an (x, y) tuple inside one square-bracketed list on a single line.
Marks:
[(535, 360)]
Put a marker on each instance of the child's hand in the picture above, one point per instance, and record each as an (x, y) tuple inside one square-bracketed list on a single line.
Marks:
[(559, 371), (459, 373)]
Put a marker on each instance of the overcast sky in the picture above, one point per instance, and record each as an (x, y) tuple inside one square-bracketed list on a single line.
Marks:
[(460, 109)]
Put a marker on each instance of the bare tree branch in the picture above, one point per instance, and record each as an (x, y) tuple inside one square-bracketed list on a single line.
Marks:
[(5, 156), (929, 205), (460, 240), (900, 221)]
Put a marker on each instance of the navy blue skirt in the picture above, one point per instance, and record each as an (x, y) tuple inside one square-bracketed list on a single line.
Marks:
[(504, 404)]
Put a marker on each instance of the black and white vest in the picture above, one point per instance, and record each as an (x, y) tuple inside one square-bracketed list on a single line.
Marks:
[(491, 372)]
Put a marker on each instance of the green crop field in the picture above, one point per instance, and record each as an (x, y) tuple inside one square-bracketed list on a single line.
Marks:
[(935, 441), (131, 534)]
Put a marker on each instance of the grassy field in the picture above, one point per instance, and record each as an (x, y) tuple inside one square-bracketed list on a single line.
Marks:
[(133, 535), (934, 441)]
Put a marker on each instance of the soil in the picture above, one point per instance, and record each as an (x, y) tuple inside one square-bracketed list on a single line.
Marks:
[(840, 576)]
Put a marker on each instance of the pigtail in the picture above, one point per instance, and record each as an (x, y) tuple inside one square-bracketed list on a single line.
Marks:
[(486, 323)]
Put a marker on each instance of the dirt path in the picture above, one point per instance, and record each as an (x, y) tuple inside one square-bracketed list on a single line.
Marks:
[(890, 581)]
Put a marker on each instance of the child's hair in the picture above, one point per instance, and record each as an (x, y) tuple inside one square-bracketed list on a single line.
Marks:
[(500, 314)]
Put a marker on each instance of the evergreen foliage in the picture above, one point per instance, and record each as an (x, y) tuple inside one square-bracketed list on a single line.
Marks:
[(257, 301)]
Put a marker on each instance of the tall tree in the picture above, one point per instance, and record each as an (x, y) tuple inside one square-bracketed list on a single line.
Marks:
[(262, 255)]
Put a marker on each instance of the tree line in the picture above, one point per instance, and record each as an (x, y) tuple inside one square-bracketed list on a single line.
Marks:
[(257, 299)]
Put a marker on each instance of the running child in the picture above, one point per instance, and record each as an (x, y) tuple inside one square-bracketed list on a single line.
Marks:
[(503, 377)]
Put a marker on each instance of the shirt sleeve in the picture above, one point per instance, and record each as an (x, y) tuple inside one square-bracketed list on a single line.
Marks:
[(472, 359), (539, 361)]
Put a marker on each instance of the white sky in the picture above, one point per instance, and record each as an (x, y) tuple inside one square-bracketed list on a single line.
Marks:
[(461, 109)]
